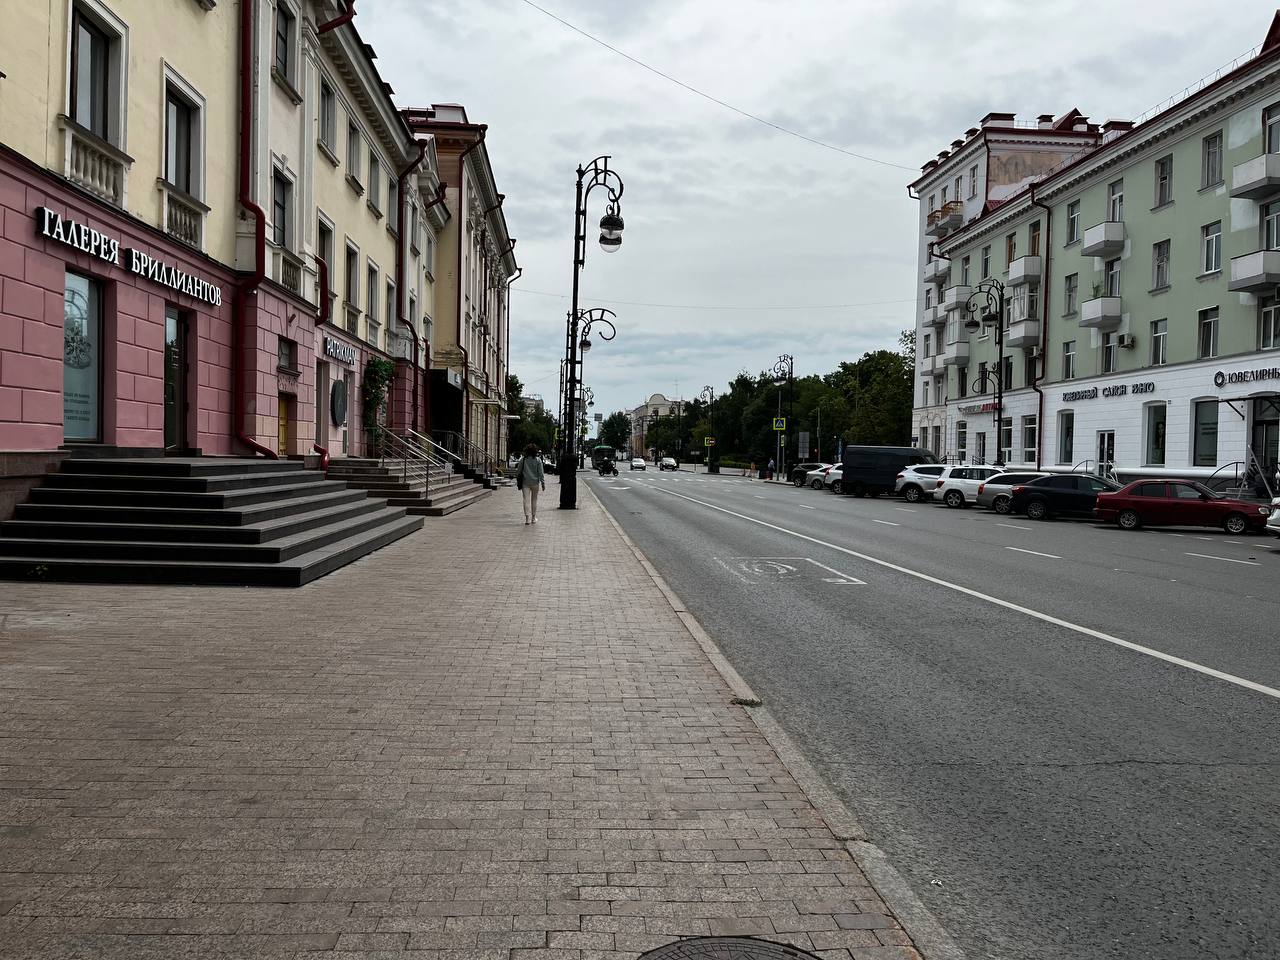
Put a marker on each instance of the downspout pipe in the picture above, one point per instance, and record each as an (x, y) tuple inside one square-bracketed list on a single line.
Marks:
[(349, 12), (1044, 325), (322, 317), (462, 199), (400, 245), (246, 286)]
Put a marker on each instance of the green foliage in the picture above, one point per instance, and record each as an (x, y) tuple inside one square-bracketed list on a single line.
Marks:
[(377, 377), (532, 427), (615, 430)]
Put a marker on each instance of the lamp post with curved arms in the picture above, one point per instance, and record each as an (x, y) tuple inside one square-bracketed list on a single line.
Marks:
[(988, 297), (708, 396), (784, 372), (595, 174)]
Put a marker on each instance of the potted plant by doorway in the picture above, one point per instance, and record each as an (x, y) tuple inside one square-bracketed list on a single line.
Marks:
[(378, 374)]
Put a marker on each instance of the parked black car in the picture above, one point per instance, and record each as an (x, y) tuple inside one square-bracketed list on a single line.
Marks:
[(1071, 494), (874, 470)]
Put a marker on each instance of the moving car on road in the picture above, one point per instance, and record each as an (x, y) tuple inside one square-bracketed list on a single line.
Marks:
[(1067, 494), (995, 493), (918, 481), (637, 463), (873, 470), (668, 463), (801, 470), (1181, 503), (958, 486)]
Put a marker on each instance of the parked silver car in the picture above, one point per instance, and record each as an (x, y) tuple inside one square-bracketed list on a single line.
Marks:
[(995, 492), (917, 482)]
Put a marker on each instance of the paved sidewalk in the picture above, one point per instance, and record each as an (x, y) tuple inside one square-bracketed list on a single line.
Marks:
[(485, 741)]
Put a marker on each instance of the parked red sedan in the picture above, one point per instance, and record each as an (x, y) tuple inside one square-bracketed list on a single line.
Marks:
[(1182, 503)]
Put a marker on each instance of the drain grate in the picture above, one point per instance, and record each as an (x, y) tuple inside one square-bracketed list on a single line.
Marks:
[(727, 948)]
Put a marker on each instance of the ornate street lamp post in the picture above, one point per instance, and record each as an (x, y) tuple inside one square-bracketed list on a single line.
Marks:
[(784, 373), (708, 396), (988, 299), (595, 174)]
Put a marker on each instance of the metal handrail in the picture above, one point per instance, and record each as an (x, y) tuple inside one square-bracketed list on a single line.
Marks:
[(429, 446), (468, 453), (1213, 483), (414, 468)]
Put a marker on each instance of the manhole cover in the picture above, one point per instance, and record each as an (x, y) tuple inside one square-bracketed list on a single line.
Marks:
[(727, 948)]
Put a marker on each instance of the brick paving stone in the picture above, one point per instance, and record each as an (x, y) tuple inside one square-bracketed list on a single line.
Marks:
[(485, 742)]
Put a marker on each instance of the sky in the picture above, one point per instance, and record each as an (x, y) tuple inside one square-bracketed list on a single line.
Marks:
[(743, 243)]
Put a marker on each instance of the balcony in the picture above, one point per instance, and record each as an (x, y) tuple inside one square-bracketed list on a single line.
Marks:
[(935, 316), (351, 314), (1101, 313), (954, 298), (957, 354), (1256, 178), (937, 271), (948, 217), (1256, 272), (94, 164), (1023, 333), (1104, 239), (1024, 271), (929, 366), (183, 215), (288, 271)]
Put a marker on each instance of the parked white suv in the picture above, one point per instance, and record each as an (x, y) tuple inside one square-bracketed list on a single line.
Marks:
[(958, 486), (917, 482)]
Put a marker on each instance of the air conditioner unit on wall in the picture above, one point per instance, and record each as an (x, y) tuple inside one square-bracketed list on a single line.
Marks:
[(1127, 341)]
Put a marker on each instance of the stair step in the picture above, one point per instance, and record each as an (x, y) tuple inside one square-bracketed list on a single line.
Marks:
[(188, 515), (202, 484), (294, 572), (180, 466), (447, 505), (199, 499)]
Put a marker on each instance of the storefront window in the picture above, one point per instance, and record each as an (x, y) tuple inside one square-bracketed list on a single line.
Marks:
[(1029, 431), (81, 359), (1156, 414), (962, 439), (1006, 439), (1206, 433), (1066, 436)]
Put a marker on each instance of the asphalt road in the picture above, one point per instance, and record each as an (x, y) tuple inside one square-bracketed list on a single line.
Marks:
[(1065, 736)]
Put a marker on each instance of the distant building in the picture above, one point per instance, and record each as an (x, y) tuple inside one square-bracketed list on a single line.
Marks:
[(658, 405)]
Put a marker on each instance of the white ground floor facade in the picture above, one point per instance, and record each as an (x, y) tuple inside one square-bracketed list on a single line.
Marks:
[(1193, 419)]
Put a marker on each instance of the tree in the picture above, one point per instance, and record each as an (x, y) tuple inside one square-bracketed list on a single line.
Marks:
[(532, 427), (615, 430)]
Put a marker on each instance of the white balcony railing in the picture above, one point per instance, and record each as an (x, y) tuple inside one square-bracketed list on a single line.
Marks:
[(937, 271), (1255, 272), (948, 217), (1102, 313), (94, 164), (1024, 271), (957, 354), (929, 365), (1023, 333), (1256, 178), (954, 298), (1103, 239), (183, 215)]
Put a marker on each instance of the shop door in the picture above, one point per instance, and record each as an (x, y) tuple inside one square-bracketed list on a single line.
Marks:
[(175, 379), (1106, 450), (1266, 433), (284, 426)]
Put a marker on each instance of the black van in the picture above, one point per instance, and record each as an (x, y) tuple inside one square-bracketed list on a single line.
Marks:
[(874, 470)]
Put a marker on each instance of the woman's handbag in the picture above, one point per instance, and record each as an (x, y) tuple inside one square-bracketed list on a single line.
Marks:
[(520, 474)]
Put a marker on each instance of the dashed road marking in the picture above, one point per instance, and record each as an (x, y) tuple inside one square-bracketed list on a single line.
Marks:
[(1205, 556), (1037, 553)]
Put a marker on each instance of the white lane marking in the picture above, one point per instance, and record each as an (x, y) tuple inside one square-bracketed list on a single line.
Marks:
[(906, 509), (733, 571), (1012, 526), (839, 577), (1051, 556), (1007, 604), (1205, 556), (805, 506), (757, 496), (1177, 534), (887, 523)]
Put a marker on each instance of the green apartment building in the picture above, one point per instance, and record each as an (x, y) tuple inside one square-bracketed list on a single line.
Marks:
[(1139, 267)]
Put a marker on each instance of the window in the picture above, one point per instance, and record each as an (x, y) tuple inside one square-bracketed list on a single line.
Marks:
[(1069, 360), (1160, 265), (1109, 352), (933, 202), (1156, 415), (1073, 221), (1271, 128), (353, 276), (1269, 324), (429, 256), (91, 75), (1006, 439), (937, 440), (286, 355), (81, 358), (1112, 288), (980, 453), (1006, 373), (928, 297), (944, 196), (354, 143), (1211, 247), (982, 377), (281, 210), (372, 294), (328, 117), (925, 394), (1164, 181), (1029, 368), (962, 373), (962, 438), (392, 313), (1030, 430), (1071, 293), (1033, 247), (973, 181), (1207, 333), (1271, 226), (1115, 200), (1148, 490), (413, 308), (1066, 436), (964, 272), (285, 26), (393, 197), (180, 136), (1205, 439), (1211, 160), (959, 187), (375, 182), (986, 262), (414, 241), (928, 342), (324, 250), (1010, 248), (1159, 334)]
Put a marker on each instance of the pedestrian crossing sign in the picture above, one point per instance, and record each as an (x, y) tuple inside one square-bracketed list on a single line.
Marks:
[(779, 423), (708, 441)]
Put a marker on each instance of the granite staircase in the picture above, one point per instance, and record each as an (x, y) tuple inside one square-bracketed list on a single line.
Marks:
[(438, 492)]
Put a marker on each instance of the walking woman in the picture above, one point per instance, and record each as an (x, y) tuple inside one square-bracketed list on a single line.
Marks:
[(530, 481)]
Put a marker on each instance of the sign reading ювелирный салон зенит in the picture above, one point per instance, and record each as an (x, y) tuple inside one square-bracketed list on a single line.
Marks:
[(97, 244)]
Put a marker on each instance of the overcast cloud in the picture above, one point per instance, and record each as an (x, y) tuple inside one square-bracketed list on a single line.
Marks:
[(723, 211)]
